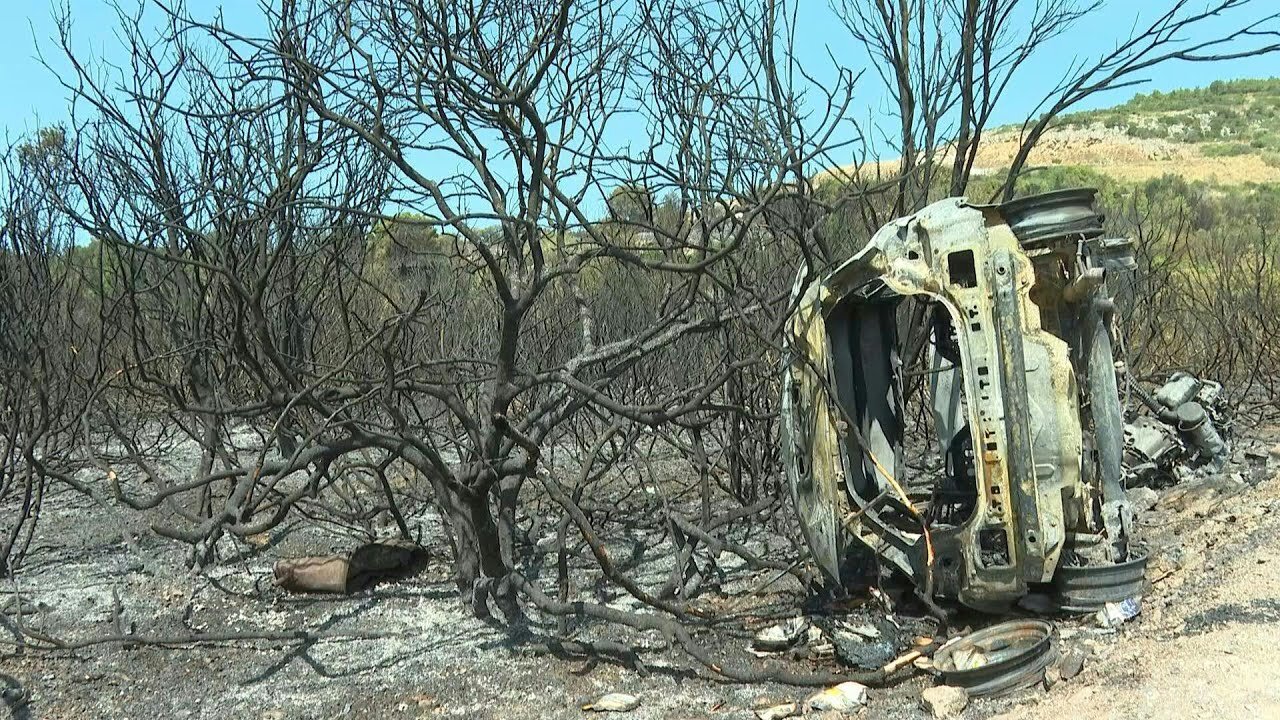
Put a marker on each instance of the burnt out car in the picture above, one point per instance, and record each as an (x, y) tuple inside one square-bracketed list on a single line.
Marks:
[(950, 404)]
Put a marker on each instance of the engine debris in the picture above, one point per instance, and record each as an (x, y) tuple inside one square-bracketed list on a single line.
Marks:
[(1185, 428)]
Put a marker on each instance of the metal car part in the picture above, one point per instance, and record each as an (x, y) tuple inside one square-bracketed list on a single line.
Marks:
[(1148, 440), (1194, 424), (999, 659), (1193, 407), (1181, 388), (1086, 588), (1023, 394)]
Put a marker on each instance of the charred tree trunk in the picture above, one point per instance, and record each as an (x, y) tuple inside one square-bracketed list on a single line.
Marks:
[(480, 569)]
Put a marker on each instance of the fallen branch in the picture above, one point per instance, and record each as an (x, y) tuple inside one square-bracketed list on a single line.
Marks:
[(678, 634), (50, 643)]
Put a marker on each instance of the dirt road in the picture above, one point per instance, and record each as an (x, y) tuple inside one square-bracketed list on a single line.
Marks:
[(1206, 647)]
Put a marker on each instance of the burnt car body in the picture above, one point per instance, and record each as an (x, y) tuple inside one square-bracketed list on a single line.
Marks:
[(1000, 316)]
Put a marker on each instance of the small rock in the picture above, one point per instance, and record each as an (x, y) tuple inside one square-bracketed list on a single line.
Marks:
[(777, 712), (944, 701), (1052, 676), (613, 702), (15, 697), (1142, 499), (1072, 663), (845, 697)]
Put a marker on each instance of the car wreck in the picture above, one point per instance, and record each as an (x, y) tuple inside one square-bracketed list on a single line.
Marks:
[(979, 335)]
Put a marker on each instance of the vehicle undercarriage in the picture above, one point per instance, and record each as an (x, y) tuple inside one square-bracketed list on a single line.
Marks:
[(994, 321)]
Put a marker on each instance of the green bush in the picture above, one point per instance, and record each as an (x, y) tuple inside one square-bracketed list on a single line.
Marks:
[(1243, 110), (1226, 149), (1142, 132)]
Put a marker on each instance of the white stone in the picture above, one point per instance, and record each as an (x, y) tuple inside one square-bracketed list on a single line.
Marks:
[(613, 702), (845, 697), (944, 701)]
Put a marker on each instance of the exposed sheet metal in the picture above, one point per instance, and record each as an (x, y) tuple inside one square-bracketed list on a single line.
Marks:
[(1021, 377)]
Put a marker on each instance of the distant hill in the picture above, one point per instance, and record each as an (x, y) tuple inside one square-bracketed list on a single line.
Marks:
[(1228, 132)]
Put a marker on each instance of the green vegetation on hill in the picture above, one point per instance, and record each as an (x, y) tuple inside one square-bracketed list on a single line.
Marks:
[(1231, 117)]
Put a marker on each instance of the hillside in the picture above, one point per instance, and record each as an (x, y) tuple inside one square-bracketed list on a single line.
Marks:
[(1228, 132)]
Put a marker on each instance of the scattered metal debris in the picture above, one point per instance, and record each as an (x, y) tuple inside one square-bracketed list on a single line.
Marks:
[(781, 636), (819, 646), (862, 645), (613, 702), (999, 659), (866, 638)]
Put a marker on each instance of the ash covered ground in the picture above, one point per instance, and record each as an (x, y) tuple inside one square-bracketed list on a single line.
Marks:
[(410, 649)]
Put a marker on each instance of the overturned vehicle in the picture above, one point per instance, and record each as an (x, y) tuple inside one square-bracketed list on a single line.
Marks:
[(977, 336)]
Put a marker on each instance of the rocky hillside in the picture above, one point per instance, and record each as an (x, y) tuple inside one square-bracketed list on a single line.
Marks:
[(1228, 133)]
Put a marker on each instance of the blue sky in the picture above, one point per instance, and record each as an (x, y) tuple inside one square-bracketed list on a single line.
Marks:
[(32, 96)]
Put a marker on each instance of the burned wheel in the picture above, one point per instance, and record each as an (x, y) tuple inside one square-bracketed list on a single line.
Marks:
[(999, 659)]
